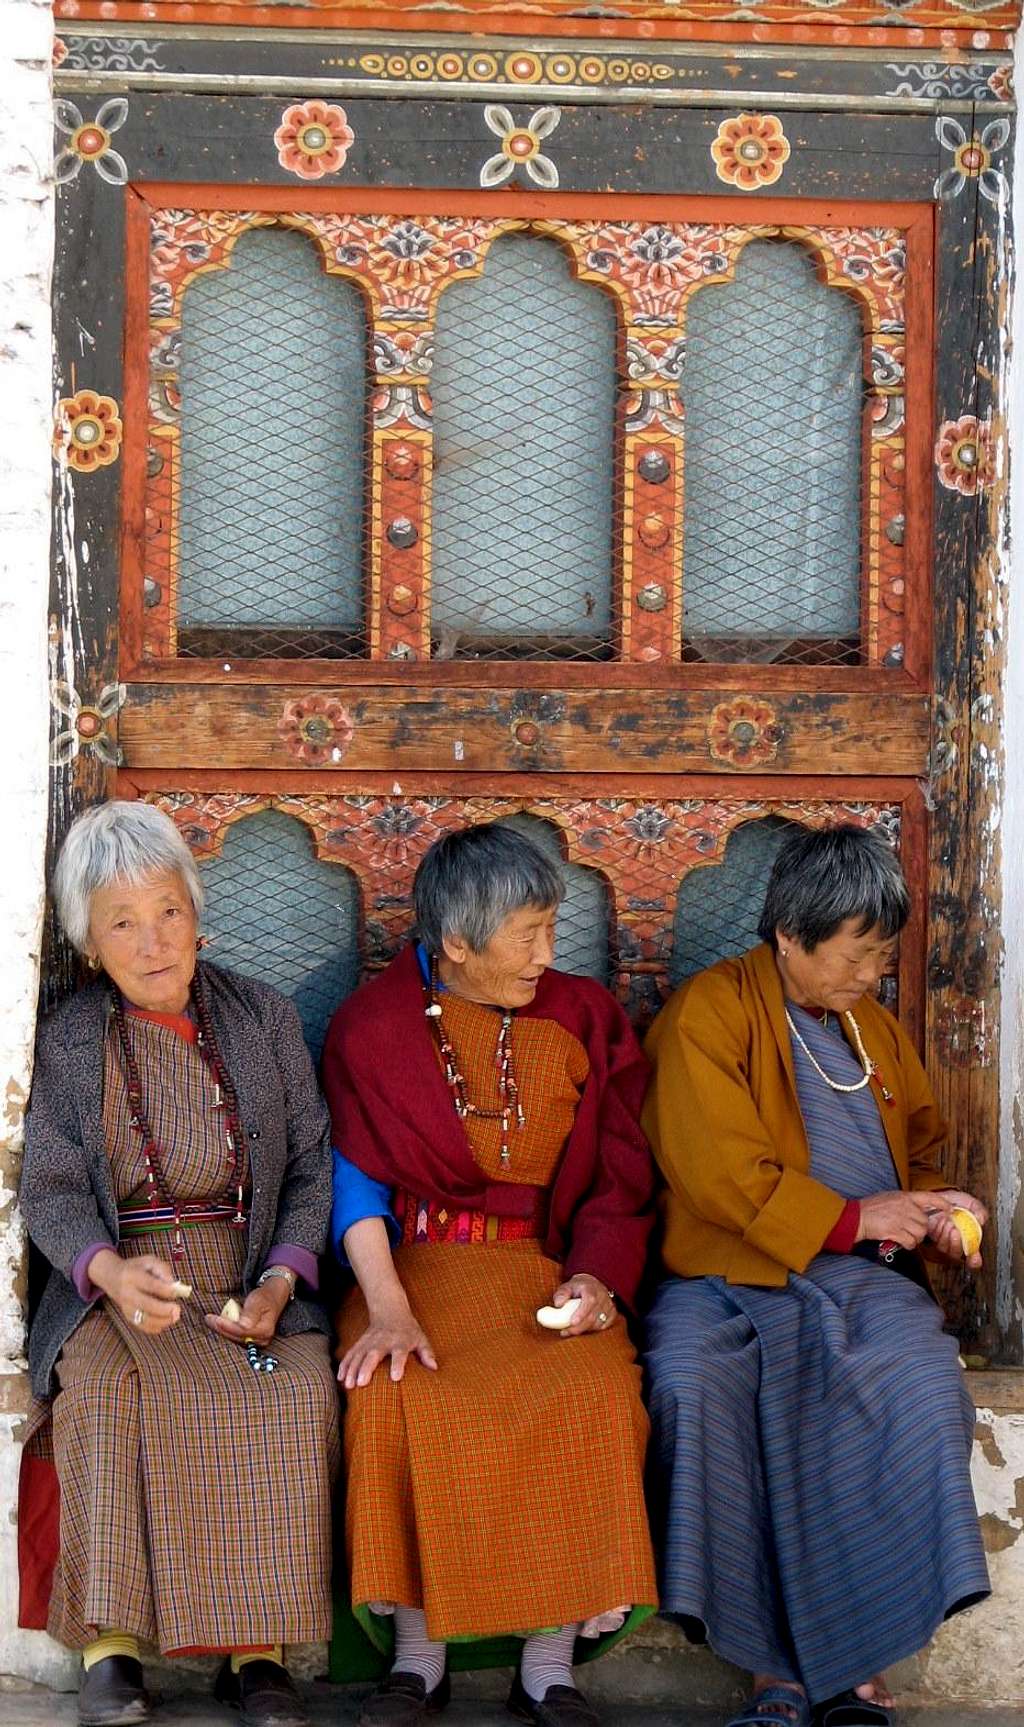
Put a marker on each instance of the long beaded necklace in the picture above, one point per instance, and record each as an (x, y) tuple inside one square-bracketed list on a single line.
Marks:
[(508, 1089), (870, 1067), (224, 1098)]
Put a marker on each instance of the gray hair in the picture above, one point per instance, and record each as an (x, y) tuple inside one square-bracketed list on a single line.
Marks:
[(470, 881), (117, 841), (824, 876)]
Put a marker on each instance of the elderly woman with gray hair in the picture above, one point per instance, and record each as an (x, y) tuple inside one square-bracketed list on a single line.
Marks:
[(177, 1179), (486, 1116), (811, 1428)]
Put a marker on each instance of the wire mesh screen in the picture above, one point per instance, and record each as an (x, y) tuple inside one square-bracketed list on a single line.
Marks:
[(524, 402), (273, 379), (583, 930), (718, 905), (774, 394), (274, 911)]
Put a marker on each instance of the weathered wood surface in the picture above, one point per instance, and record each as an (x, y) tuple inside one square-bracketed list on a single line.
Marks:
[(965, 943), (592, 71), (509, 729)]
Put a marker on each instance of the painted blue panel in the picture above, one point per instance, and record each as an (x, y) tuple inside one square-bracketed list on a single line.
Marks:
[(773, 391), (273, 378), (524, 402), (718, 905), (275, 911)]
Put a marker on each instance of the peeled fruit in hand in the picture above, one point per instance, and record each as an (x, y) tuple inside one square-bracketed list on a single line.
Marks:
[(557, 1318), (969, 1227), (231, 1310)]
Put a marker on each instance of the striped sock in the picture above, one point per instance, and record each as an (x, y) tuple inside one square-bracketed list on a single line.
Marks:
[(414, 1650), (274, 1653), (111, 1643), (547, 1661)]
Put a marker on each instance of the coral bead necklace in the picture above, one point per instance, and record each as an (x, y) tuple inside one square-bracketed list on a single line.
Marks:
[(510, 1105), (224, 1099)]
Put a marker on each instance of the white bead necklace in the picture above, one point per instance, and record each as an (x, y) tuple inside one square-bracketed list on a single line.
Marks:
[(865, 1060)]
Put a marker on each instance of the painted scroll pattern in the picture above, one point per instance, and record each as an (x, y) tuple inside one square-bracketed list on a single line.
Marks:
[(641, 849)]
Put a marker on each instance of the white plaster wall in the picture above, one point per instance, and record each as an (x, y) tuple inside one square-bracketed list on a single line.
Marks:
[(26, 419)]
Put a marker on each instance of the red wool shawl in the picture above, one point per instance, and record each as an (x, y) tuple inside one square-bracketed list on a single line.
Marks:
[(394, 1117)]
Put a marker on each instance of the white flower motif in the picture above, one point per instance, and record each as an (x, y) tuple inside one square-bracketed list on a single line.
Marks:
[(520, 147), (87, 729), (90, 141), (972, 159)]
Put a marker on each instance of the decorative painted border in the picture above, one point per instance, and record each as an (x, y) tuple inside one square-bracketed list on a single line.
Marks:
[(641, 848), (403, 264)]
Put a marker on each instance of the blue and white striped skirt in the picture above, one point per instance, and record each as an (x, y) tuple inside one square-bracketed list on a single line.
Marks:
[(810, 1470)]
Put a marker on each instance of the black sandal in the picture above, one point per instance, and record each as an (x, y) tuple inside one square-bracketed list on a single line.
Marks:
[(787, 1708), (849, 1710)]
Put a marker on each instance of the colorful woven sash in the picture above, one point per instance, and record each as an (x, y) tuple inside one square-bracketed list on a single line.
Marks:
[(150, 1219), (425, 1221)]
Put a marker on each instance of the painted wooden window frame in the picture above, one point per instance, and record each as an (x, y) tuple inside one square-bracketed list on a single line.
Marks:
[(176, 233)]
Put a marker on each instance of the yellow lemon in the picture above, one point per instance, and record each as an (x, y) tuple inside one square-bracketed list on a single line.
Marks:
[(969, 1227)]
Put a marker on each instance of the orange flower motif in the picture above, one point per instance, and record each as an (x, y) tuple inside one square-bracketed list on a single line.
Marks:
[(750, 151), (1001, 84), (313, 139), (744, 733), (964, 455), (317, 729), (89, 429)]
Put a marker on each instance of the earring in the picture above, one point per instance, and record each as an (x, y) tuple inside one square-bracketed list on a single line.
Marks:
[(92, 961), (201, 942)]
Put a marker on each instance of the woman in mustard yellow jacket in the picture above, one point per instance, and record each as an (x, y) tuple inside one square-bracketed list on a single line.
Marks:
[(811, 1429)]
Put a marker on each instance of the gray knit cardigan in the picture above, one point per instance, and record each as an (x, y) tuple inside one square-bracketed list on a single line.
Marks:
[(67, 1196)]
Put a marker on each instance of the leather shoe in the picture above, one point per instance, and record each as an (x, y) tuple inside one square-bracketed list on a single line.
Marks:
[(111, 1693), (403, 1698), (562, 1706), (264, 1694)]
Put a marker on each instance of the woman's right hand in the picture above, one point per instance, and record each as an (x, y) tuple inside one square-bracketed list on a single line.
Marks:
[(393, 1332), (906, 1218), (141, 1284)]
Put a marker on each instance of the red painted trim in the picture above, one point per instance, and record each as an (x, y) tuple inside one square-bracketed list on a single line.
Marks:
[(945, 29)]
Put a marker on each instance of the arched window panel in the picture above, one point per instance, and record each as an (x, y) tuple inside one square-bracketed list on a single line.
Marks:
[(583, 930), (273, 387), (524, 395), (718, 905), (275, 911), (774, 394)]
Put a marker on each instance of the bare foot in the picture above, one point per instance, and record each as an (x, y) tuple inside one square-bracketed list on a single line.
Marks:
[(761, 1683), (876, 1691)]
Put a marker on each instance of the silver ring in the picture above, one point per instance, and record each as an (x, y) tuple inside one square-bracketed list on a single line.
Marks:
[(603, 1317), (138, 1317)]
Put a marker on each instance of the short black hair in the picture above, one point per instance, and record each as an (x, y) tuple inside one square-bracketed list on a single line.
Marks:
[(824, 876)]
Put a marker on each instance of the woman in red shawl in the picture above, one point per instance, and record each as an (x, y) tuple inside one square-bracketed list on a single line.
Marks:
[(485, 1113)]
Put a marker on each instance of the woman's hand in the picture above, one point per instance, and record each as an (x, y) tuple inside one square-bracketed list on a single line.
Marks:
[(393, 1331), (140, 1285), (943, 1230), (597, 1310), (261, 1310), (905, 1218)]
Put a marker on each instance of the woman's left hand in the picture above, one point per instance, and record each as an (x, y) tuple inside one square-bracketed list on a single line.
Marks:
[(261, 1311), (943, 1231), (597, 1310)]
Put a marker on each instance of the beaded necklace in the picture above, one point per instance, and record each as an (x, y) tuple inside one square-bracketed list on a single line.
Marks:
[(870, 1068), (508, 1089), (224, 1098)]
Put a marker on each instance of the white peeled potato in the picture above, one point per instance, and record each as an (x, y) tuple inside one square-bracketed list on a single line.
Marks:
[(231, 1310), (181, 1291), (557, 1318)]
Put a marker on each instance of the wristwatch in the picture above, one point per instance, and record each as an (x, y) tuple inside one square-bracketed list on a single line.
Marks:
[(279, 1271)]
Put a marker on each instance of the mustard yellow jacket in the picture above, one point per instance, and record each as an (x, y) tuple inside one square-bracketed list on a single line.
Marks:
[(723, 1118)]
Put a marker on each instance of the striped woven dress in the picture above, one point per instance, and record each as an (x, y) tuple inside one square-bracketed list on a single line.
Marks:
[(811, 1445), (503, 1494), (195, 1493)]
